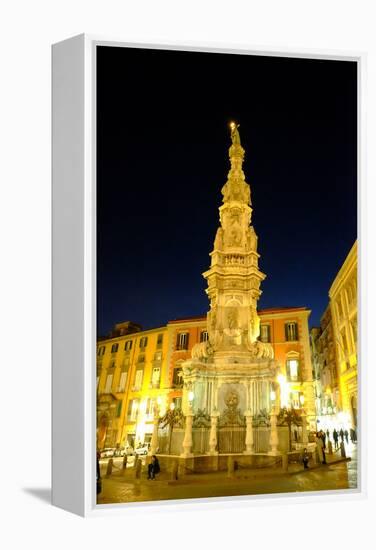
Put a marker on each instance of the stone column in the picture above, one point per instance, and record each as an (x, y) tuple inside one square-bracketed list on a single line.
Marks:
[(213, 433), (304, 428), (249, 445), (273, 441), (154, 437), (187, 441)]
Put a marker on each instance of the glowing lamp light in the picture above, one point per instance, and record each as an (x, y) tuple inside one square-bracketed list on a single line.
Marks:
[(272, 395), (159, 400), (172, 406), (281, 379), (232, 125), (191, 396), (301, 399)]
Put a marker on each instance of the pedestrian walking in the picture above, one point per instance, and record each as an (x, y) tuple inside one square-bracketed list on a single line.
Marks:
[(352, 435), (335, 438), (320, 448), (327, 434), (99, 480), (346, 436), (341, 434), (153, 467), (323, 437), (305, 459)]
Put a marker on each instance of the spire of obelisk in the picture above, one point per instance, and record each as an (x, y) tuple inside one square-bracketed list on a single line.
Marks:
[(236, 187), (234, 277)]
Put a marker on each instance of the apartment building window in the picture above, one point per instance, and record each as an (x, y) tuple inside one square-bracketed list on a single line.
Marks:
[(158, 356), (292, 370), (128, 345), (149, 408), (159, 340), (177, 378), (132, 410), (295, 399), (122, 381), (182, 341), (291, 332), (108, 385), (156, 377), (118, 410), (114, 348), (101, 350), (177, 401), (339, 308), (354, 328), (138, 379), (204, 337), (265, 333), (143, 342), (344, 342)]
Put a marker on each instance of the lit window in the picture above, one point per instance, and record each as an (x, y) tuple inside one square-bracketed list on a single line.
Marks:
[(265, 333), (101, 350), (143, 342), (159, 340), (344, 342), (158, 356), (177, 401), (204, 336), (138, 379), (108, 386), (114, 348), (128, 345), (149, 408), (122, 382), (177, 379), (182, 342), (132, 410), (291, 330), (339, 308), (293, 370), (155, 377)]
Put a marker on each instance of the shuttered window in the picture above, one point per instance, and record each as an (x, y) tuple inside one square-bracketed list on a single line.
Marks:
[(108, 386), (182, 341), (291, 332)]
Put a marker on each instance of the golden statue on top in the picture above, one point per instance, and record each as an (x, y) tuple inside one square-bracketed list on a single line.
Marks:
[(235, 137)]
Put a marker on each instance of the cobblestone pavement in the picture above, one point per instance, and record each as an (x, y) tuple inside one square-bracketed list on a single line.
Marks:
[(123, 487)]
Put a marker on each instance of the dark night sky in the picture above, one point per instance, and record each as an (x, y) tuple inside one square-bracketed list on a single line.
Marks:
[(162, 159)]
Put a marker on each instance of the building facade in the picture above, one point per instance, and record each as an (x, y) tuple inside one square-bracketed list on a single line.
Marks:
[(334, 351), (327, 391), (344, 312), (131, 376), (286, 329)]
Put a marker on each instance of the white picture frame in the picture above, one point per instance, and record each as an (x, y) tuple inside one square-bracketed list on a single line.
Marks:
[(74, 276)]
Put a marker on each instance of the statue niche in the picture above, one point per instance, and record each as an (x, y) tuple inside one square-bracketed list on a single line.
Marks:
[(233, 334), (234, 230), (231, 416)]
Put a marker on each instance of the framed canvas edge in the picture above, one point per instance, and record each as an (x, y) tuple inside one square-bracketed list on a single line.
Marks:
[(89, 292)]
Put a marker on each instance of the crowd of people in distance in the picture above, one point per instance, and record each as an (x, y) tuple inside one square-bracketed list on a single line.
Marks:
[(339, 437)]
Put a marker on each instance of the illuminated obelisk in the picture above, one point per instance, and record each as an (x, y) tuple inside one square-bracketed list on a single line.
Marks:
[(232, 371)]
